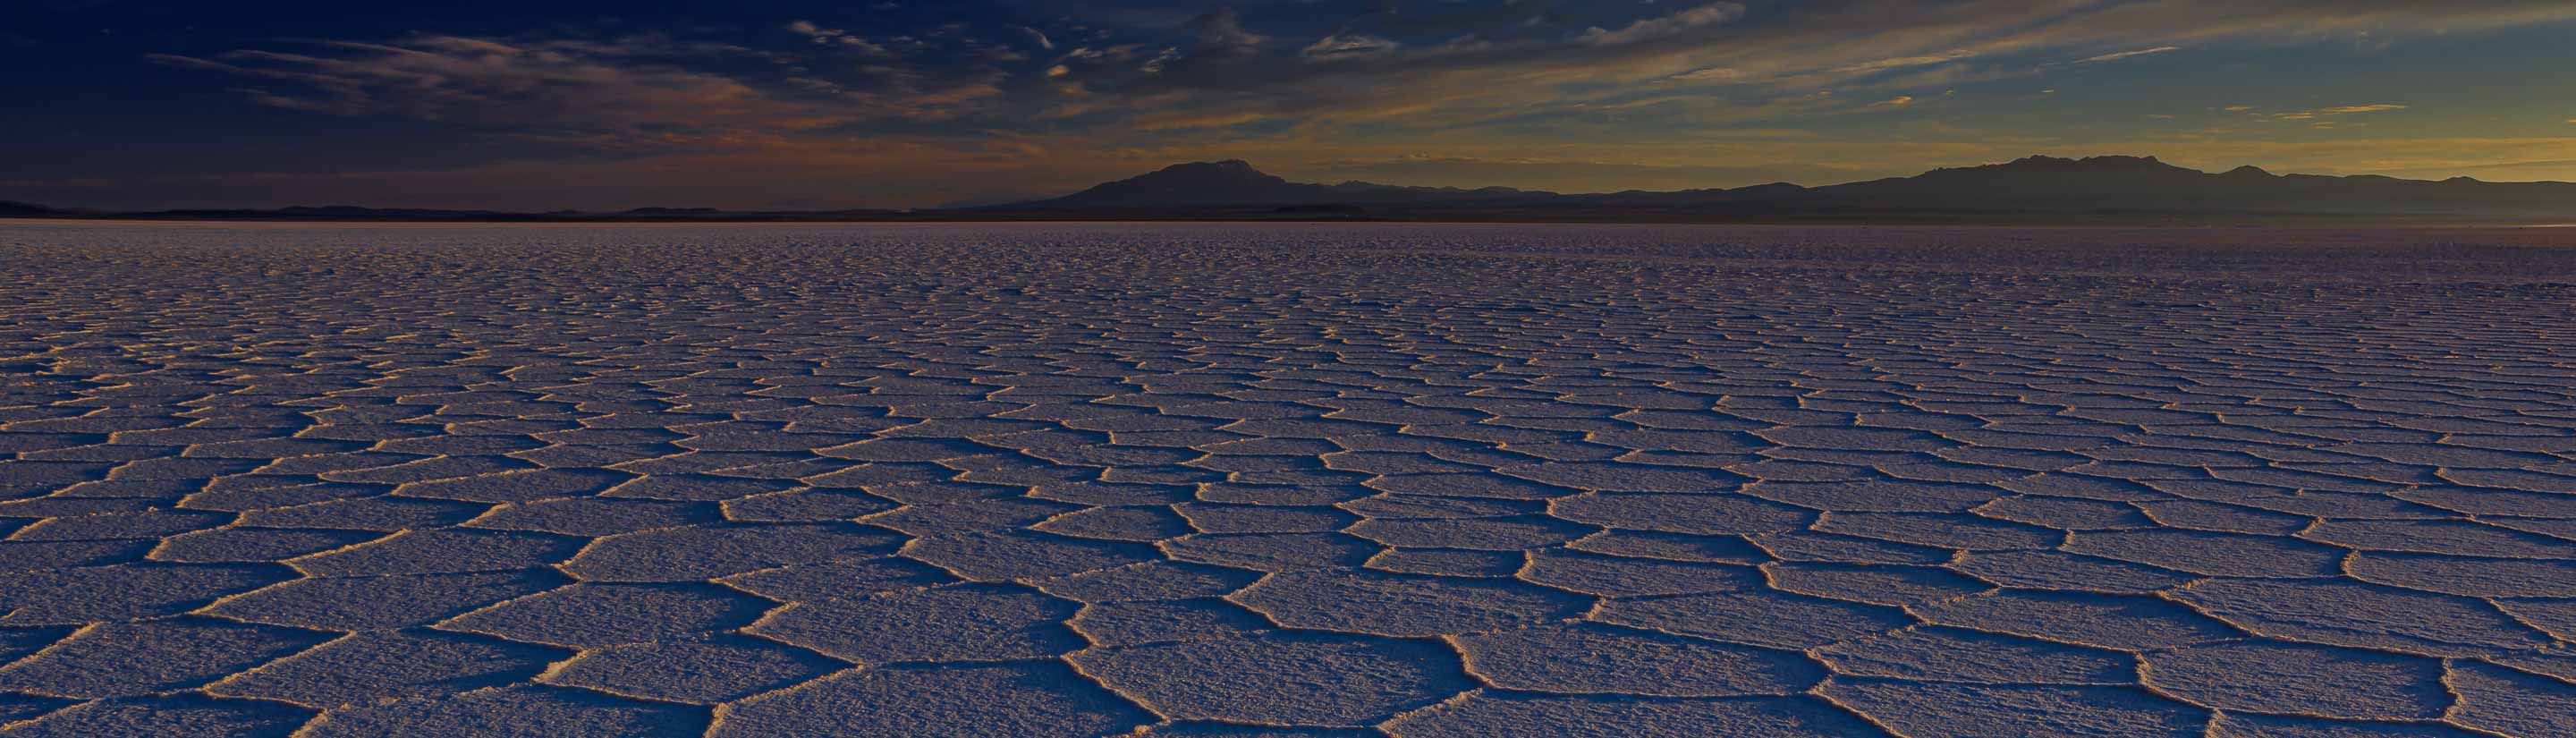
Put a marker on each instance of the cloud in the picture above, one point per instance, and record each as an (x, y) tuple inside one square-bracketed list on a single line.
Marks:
[(1348, 46), (1653, 28), (1711, 74), (810, 30), (1186, 122), (835, 37), (1538, 65), (1221, 35), (638, 94), (2335, 111), (1532, 77), (2350, 109), (2127, 54), (1894, 102), (1039, 37), (1879, 65), (486, 82)]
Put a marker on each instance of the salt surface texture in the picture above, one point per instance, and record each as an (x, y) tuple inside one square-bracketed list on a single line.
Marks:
[(1285, 480)]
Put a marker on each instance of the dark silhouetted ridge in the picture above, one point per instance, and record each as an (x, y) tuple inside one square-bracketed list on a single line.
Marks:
[(24, 209), (368, 212), (1199, 183), (1237, 183)]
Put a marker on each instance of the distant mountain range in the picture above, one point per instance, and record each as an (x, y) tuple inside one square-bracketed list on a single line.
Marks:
[(2037, 189), (2036, 186)]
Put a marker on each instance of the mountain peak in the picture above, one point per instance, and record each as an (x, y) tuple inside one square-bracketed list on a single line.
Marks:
[(2092, 163), (1229, 182), (1230, 169)]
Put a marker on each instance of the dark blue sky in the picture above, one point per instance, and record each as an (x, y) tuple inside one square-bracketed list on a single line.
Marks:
[(134, 103)]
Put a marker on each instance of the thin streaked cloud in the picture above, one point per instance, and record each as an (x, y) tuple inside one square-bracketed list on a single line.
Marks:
[(2118, 55)]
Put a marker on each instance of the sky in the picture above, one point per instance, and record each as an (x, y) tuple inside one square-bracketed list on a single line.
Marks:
[(596, 105)]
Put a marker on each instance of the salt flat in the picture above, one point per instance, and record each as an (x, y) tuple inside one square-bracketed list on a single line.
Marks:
[(1197, 480)]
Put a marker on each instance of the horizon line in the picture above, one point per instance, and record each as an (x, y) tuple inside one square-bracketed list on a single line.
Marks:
[(684, 209)]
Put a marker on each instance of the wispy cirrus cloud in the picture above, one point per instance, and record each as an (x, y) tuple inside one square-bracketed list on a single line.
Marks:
[(1598, 83), (1665, 26), (1215, 65), (834, 37), (639, 92), (1349, 46), (2329, 112), (2350, 109), (1900, 62), (541, 87), (1784, 50), (2118, 55)]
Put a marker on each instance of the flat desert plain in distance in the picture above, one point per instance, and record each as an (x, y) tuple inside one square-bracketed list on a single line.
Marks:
[(1285, 480)]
